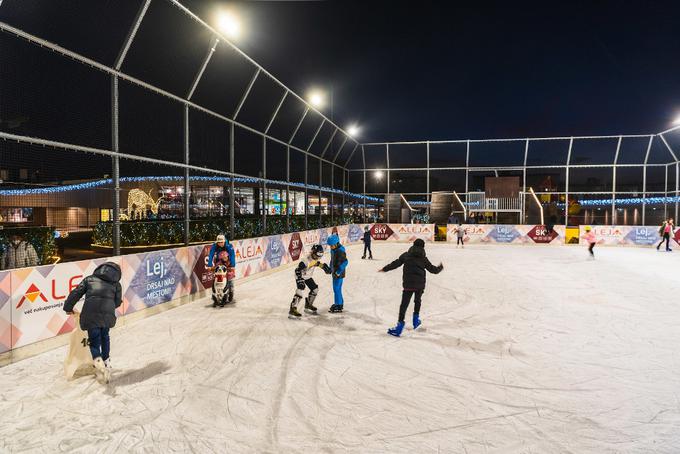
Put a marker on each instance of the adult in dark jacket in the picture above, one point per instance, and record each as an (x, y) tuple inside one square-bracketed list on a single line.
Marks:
[(103, 294), (367, 243), (415, 264)]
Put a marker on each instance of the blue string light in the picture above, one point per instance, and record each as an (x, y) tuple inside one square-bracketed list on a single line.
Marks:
[(109, 181)]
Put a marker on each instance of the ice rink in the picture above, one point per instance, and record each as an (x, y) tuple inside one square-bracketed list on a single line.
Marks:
[(522, 349)]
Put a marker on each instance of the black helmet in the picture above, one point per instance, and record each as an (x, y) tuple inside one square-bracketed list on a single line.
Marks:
[(317, 251)]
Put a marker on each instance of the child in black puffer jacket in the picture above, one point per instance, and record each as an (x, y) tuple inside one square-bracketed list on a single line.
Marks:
[(103, 294), (415, 264)]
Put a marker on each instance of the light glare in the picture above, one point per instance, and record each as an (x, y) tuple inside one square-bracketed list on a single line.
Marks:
[(316, 99), (229, 24)]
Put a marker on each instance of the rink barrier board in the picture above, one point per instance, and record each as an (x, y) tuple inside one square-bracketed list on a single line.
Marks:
[(640, 236), (508, 234), (627, 235), (31, 299)]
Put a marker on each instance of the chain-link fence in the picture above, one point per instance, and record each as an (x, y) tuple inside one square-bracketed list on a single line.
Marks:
[(607, 180), (137, 124)]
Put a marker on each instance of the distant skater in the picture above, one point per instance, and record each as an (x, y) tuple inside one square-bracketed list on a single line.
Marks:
[(460, 236), (665, 231), (591, 240), (367, 243), (415, 264)]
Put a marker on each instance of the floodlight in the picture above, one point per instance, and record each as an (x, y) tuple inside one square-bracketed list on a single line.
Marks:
[(316, 99), (229, 24)]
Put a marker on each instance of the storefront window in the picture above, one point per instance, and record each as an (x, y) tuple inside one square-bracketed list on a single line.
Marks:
[(16, 215), (276, 201), (244, 200)]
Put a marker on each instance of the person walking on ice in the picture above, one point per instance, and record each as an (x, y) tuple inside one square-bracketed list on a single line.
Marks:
[(415, 264), (665, 231), (337, 268), (591, 240), (103, 294), (303, 277), (367, 243)]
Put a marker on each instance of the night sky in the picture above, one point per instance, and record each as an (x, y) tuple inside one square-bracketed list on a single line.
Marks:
[(435, 70)]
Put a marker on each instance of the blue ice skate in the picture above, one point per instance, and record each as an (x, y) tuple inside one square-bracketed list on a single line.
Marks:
[(416, 321), (396, 331)]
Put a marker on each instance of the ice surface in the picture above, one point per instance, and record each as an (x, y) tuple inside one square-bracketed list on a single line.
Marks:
[(524, 349)]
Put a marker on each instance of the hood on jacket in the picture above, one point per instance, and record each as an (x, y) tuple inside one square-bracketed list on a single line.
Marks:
[(108, 271), (416, 251)]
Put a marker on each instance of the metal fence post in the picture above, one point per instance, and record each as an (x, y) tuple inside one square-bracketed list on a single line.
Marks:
[(115, 163), (306, 198), (187, 186), (264, 185), (288, 189), (232, 199)]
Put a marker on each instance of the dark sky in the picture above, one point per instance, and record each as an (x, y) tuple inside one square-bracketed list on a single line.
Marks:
[(438, 70)]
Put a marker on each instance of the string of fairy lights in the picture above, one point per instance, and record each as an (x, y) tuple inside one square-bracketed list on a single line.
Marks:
[(213, 179)]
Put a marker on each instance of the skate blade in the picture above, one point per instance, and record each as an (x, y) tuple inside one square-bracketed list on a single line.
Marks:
[(294, 317), (310, 312)]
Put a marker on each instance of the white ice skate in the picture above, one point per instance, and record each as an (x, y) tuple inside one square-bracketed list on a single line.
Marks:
[(101, 372)]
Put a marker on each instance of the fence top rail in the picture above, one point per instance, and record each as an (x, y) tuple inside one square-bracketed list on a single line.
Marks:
[(223, 38), (107, 69), (510, 139)]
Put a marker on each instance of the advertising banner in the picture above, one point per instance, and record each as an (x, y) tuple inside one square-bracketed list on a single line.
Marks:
[(474, 233), (38, 296), (6, 326), (201, 277), (507, 234), (412, 232), (250, 256), (401, 232), (32, 299), (355, 233), (624, 235), (154, 278)]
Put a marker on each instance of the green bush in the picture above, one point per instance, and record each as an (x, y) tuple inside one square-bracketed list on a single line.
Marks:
[(140, 233)]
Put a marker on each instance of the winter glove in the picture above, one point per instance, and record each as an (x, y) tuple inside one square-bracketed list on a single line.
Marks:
[(300, 283), (326, 268)]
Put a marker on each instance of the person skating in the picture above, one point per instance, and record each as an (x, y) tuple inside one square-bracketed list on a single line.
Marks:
[(303, 278), (665, 231), (460, 236), (591, 240), (337, 268), (367, 243), (103, 294), (223, 252), (415, 264)]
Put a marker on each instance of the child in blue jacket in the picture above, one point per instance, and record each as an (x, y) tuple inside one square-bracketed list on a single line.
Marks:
[(337, 268)]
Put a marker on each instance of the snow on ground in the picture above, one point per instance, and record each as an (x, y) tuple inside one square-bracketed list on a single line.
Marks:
[(524, 349)]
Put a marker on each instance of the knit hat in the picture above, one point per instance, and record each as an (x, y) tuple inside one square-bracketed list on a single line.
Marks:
[(419, 243)]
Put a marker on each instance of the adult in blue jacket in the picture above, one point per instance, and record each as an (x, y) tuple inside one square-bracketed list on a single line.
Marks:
[(223, 252), (221, 244), (337, 267)]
